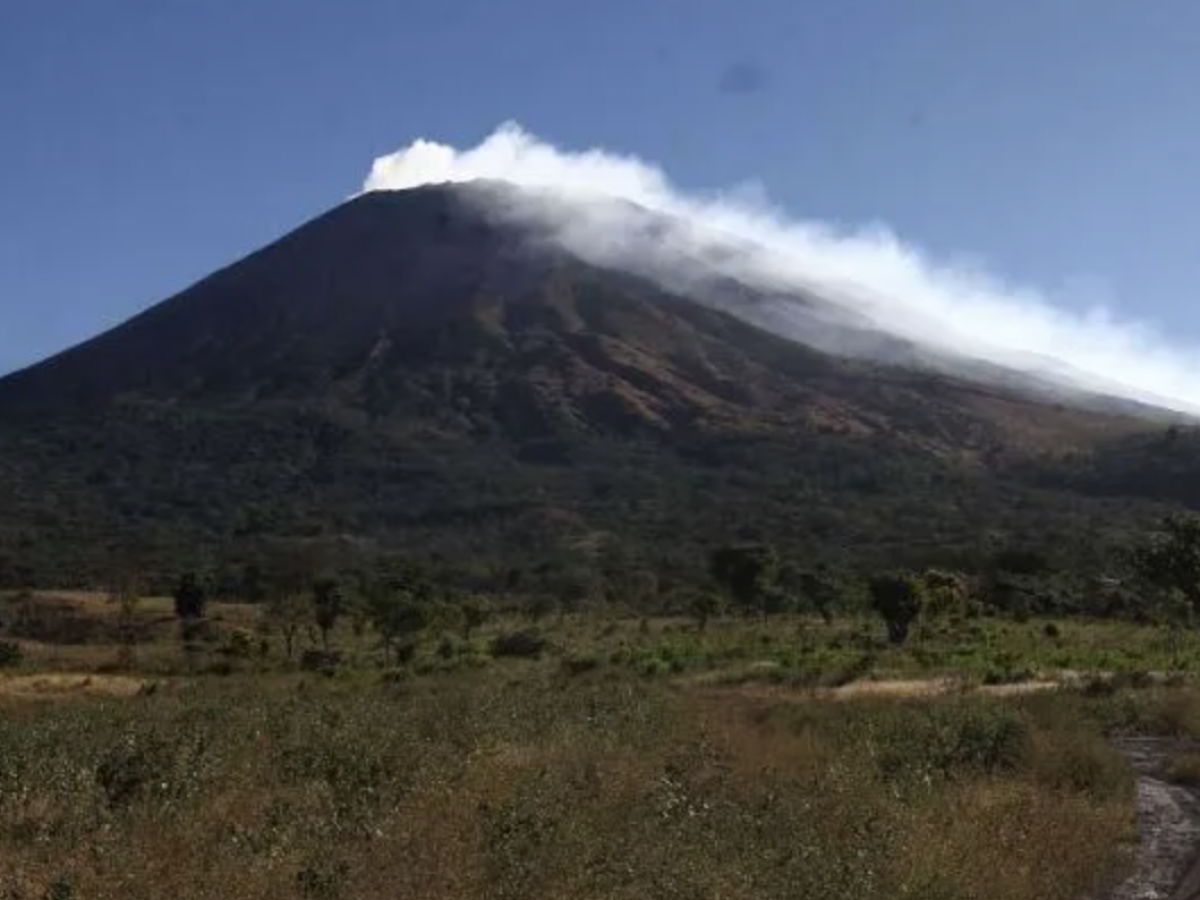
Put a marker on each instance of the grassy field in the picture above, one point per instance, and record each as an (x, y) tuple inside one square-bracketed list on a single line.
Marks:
[(794, 650), (627, 758)]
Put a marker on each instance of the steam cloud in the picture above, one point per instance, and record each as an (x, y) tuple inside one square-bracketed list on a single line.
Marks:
[(868, 275)]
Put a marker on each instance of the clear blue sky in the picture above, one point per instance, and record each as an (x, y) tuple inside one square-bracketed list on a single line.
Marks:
[(144, 143)]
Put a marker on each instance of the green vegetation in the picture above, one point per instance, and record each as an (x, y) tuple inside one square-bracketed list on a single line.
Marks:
[(657, 504), (527, 782), (898, 600), (448, 745)]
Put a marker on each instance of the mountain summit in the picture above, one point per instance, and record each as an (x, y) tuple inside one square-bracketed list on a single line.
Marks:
[(409, 370), (421, 299)]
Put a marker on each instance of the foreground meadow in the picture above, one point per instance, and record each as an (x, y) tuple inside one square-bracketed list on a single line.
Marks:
[(610, 758)]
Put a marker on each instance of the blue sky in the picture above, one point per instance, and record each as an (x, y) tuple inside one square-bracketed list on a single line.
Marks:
[(147, 142)]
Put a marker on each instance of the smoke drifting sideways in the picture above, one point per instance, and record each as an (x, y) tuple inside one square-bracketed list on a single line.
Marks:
[(858, 291)]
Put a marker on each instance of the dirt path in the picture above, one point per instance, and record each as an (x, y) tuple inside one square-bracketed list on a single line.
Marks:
[(1168, 866), (64, 684), (894, 688)]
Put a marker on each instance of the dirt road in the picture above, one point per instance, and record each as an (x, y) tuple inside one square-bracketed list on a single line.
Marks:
[(1168, 866)]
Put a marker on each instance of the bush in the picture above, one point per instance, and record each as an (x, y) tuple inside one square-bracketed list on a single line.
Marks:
[(524, 644), (240, 644), (898, 600), (326, 661), (322, 879), (656, 667), (10, 654), (395, 675), (134, 765), (1007, 673), (579, 664), (198, 631), (1184, 768), (1077, 760), (950, 737)]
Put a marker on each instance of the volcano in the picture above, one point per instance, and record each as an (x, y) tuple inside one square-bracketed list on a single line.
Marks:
[(410, 372)]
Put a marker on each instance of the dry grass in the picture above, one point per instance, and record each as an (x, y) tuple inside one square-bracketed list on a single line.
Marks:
[(636, 778), (516, 784), (1184, 768)]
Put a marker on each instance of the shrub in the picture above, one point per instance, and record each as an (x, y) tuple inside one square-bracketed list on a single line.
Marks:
[(10, 654), (322, 879), (1078, 760), (133, 765), (1184, 768), (1098, 686), (1007, 672), (326, 661), (655, 667), (198, 631), (853, 670), (394, 675), (525, 644), (190, 597), (949, 737), (579, 664), (240, 644), (898, 600)]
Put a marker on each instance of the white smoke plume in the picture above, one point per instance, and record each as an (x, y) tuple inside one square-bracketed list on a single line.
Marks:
[(867, 273)]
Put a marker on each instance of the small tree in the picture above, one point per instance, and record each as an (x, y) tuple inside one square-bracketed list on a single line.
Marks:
[(190, 597), (1176, 618), (946, 595), (252, 584), (329, 601), (1171, 560), (358, 610), (399, 618), (475, 614), (288, 612), (814, 588), (705, 605), (897, 599), (126, 597), (748, 573)]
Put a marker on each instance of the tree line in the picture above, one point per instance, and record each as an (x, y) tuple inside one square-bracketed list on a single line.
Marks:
[(1156, 577)]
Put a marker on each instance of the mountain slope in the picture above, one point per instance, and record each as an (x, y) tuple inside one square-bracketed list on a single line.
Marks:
[(405, 372)]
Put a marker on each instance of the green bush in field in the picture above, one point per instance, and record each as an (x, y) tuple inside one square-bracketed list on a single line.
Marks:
[(135, 764), (748, 573), (944, 740), (705, 605), (527, 643), (898, 600), (191, 596), (1170, 560), (10, 654), (399, 617), (329, 602)]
